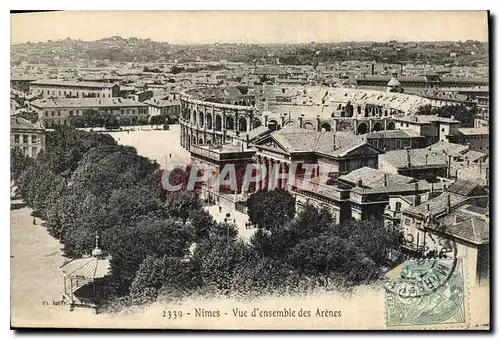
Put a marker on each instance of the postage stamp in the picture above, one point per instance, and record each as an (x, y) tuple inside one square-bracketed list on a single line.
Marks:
[(427, 292)]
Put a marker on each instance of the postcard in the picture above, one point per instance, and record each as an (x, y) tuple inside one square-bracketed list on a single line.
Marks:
[(250, 170)]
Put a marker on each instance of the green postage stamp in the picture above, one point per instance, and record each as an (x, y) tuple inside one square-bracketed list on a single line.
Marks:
[(426, 292)]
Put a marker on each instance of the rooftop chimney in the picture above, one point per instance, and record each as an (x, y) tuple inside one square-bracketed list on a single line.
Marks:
[(408, 158), (428, 207), (449, 165), (426, 158), (385, 180)]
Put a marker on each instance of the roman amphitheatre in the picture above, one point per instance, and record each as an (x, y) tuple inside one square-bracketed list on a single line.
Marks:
[(221, 115)]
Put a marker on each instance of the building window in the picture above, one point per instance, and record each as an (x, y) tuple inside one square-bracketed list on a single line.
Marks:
[(52, 113), (407, 221), (25, 139), (16, 138), (398, 206), (71, 113), (58, 113), (407, 125), (442, 130), (33, 139), (46, 113)]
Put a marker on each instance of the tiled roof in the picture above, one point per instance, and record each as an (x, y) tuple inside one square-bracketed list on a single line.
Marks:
[(463, 187), (297, 140), (257, 132), (329, 143), (448, 148), (474, 131), (425, 119), (72, 83), (21, 123), (399, 158), (437, 205), (162, 102), (420, 186), (474, 155), (373, 178), (388, 134), (85, 102), (467, 225), (338, 143)]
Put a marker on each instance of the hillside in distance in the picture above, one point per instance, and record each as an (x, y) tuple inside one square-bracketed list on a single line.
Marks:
[(118, 49)]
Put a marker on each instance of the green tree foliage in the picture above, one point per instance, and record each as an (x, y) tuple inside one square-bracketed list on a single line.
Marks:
[(153, 236), (461, 113), (36, 184), (271, 209), (202, 223), (111, 167), (159, 119), (18, 163), (181, 203), (216, 260), (65, 147), (148, 279), (263, 275)]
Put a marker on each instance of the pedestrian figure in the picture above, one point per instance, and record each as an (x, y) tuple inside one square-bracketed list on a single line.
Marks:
[(234, 220), (170, 155), (220, 209), (34, 221)]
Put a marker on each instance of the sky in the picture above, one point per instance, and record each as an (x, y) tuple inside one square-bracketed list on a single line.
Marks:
[(184, 27)]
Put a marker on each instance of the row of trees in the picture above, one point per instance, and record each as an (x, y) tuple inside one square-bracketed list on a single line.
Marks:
[(462, 113), (165, 243), (95, 118)]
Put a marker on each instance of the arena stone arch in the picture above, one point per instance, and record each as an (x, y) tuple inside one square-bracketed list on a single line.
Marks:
[(218, 123), (272, 124), (201, 119), (309, 126), (209, 120), (229, 123), (362, 128), (242, 124), (326, 126), (377, 127)]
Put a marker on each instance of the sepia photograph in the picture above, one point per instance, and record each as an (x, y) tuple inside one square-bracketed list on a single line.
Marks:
[(250, 170)]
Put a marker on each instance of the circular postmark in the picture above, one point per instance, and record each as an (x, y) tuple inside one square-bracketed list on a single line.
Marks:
[(427, 288), (432, 265)]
